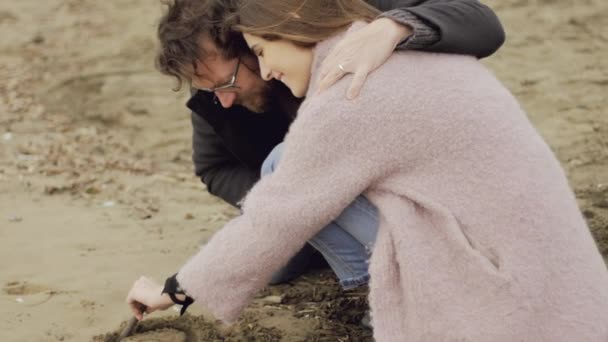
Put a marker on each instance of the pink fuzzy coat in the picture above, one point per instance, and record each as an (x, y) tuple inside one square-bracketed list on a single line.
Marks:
[(480, 236)]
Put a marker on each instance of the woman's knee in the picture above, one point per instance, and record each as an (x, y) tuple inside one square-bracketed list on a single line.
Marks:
[(272, 160)]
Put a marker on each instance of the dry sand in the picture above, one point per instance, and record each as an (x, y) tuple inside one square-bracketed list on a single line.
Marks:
[(96, 183)]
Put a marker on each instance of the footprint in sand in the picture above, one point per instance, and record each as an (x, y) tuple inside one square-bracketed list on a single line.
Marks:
[(7, 17), (29, 294), (18, 288)]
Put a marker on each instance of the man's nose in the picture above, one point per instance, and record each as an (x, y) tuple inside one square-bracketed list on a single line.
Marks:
[(265, 72), (226, 98)]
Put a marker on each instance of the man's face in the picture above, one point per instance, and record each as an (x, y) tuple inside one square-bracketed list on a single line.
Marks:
[(251, 90)]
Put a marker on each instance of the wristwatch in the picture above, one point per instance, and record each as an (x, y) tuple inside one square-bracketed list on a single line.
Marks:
[(172, 288)]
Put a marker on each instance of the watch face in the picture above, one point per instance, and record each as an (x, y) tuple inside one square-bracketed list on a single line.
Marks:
[(172, 286)]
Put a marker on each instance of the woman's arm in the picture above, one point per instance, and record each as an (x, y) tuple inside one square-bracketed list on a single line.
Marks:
[(325, 166)]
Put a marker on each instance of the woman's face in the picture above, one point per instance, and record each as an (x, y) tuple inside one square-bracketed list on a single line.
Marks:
[(283, 61)]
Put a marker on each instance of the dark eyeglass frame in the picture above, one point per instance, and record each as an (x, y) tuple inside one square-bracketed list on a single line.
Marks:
[(228, 86)]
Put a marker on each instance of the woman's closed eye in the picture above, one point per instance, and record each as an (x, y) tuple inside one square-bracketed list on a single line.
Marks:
[(257, 50)]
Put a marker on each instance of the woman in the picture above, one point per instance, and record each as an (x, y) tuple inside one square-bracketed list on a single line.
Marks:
[(480, 236)]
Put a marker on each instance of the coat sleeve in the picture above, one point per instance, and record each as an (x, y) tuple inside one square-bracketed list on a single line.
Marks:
[(224, 175), (465, 27), (325, 165)]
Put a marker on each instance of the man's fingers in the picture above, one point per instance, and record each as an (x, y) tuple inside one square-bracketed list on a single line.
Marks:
[(330, 62), (356, 84), (331, 78), (325, 69)]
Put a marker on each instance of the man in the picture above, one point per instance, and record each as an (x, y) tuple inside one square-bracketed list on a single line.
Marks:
[(238, 118)]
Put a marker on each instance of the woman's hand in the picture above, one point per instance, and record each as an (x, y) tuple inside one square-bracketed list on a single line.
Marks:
[(361, 52), (146, 296)]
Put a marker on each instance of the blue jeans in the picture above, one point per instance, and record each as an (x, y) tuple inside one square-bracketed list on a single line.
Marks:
[(345, 243)]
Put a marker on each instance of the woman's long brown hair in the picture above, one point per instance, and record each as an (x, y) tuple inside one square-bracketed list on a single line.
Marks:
[(304, 22)]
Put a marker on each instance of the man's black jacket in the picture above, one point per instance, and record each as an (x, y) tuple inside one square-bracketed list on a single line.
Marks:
[(229, 145)]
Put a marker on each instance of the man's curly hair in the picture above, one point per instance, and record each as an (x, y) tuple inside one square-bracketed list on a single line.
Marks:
[(181, 29)]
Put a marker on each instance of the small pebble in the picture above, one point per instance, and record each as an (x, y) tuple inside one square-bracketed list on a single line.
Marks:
[(108, 204), (7, 136), (19, 300), (273, 299), (15, 219), (38, 39)]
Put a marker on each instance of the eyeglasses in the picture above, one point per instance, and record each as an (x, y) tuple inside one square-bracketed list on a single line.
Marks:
[(225, 87)]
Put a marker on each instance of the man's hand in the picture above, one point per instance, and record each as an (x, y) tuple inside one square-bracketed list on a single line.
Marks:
[(361, 52), (145, 296)]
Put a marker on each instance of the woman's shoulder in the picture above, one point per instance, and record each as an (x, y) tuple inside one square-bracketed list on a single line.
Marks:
[(418, 67), (432, 80), (405, 76)]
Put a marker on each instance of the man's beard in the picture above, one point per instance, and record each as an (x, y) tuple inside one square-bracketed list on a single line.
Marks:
[(274, 96), (259, 101)]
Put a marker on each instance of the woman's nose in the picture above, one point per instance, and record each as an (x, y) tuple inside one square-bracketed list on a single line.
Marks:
[(265, 72)]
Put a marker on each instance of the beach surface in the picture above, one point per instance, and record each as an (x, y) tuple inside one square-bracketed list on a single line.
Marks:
[(97, 184)]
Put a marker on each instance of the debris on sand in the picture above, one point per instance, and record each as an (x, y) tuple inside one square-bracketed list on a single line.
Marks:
[(315, 303)]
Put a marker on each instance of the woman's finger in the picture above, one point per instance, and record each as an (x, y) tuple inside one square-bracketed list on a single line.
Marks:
[(136, 307), (134, 300), (137, 312)]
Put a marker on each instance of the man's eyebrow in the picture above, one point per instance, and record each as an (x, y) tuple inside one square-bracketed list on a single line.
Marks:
[(196, 69), (223, 80)]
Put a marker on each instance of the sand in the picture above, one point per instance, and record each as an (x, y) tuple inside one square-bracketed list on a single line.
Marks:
[(96, 183)]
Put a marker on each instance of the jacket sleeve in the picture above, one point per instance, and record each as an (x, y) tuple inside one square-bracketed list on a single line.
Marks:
[(224, 175), (465, 27), (318, 176)]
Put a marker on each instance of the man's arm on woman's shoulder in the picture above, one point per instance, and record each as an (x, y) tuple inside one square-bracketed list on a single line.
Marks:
[(455, 26)]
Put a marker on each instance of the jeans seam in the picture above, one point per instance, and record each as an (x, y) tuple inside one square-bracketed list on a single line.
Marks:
[(368, 246), (327, 252), (353, 282), (373, 214)]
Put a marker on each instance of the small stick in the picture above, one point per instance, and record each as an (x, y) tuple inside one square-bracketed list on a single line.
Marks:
[(129, 329), (131, 326)]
